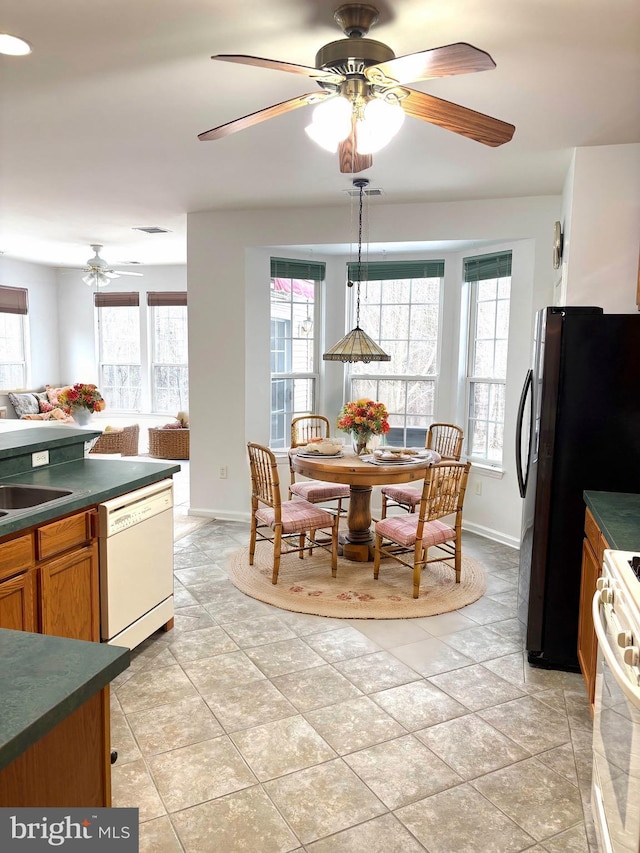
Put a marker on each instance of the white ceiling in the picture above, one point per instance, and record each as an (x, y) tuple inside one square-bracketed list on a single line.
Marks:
[(98, 127)]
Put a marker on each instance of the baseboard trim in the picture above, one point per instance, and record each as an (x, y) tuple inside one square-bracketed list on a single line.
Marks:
[(222, 515), (490, 533)]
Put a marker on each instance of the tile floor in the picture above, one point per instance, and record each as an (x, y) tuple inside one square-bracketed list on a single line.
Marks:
[(249, 728)]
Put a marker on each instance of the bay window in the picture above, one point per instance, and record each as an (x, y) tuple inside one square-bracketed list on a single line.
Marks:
[(294, 297), (400, 307), (489, 280)]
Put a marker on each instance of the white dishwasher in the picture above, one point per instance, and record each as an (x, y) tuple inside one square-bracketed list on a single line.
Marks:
[(136, 564)]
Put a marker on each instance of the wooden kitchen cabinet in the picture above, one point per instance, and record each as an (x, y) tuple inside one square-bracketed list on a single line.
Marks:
[(18, 602), (49, 579), (593, 547)]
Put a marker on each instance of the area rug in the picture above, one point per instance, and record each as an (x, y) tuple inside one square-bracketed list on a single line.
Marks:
[(306, 586)]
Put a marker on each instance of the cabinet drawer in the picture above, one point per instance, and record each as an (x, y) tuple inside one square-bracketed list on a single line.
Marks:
[(16, 555), (594, 537), (60, 535)]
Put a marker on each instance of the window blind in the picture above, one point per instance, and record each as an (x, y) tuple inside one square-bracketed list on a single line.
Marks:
[(116, 300), (14, 300), (307, 270), (487, 266), (167, 297), (388, 270)]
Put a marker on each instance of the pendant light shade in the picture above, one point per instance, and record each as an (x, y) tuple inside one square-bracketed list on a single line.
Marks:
[(357, 345)]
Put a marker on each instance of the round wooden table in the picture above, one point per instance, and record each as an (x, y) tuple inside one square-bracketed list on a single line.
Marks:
[(360, 475)]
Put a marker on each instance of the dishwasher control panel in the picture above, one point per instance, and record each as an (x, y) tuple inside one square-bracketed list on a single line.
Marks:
[(134, 508)]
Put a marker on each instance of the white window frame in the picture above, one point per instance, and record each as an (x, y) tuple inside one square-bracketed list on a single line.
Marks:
[(281, 441), (411, 435), (102, 364), (155, 365), (472, 379), (20, 366)]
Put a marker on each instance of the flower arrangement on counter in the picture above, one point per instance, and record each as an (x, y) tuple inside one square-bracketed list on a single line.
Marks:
[(81, 396), (363, 419)]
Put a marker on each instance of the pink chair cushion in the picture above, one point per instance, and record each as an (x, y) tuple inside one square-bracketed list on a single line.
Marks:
[(403, 494), (297, 517), (315, 491), (402, 529)]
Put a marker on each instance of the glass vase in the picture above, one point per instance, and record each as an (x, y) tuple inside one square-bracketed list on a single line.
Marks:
[(365, 442)]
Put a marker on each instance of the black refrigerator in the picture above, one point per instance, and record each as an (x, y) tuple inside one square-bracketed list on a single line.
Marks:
[(578, 429)]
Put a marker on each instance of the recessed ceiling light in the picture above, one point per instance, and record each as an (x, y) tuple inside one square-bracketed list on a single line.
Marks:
[(13, 46)]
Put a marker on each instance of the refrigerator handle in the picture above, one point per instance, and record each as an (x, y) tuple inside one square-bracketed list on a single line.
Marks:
[(522, 478)]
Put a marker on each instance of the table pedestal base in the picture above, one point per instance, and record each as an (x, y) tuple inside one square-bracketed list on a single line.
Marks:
[(357, 543)]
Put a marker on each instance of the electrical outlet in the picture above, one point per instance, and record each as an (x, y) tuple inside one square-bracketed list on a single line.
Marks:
[(40, 458), (223, 472), (478, 487)]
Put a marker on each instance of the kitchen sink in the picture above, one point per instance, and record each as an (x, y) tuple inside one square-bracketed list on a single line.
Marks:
[(22, 497)]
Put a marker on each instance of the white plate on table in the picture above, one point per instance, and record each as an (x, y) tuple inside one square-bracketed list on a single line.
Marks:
[(414, 460), (316, 455)]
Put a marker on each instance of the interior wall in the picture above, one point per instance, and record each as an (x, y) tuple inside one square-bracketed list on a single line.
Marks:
[(78, 353), (228, 328), (602, 228)]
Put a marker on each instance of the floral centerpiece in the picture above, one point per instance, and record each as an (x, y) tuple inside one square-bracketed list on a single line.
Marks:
[(363, 419), (81, 400)]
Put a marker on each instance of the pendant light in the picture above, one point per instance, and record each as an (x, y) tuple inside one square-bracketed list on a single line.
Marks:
[(357, 345)]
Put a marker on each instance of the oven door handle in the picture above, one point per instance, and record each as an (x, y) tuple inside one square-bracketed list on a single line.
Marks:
[(631, 691)]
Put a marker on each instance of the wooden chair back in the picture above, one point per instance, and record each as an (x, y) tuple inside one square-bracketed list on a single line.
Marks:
[(265, 481), (443, 492), (445, 439), (306, 427)]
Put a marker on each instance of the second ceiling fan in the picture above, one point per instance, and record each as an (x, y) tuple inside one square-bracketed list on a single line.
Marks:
[(363, 97)]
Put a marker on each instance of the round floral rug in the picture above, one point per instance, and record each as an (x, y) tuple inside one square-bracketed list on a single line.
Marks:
[(306, 586)]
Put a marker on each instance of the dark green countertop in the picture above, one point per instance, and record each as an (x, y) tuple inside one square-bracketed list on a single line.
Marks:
[(92, 481), (618, 517), (43, 679), (33, 438)]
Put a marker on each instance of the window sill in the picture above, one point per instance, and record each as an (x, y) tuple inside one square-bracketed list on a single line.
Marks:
[(484, 470)]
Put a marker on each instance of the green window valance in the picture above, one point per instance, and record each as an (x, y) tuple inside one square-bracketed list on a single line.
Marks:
[(306, 270), (391, 270), (487, 266)]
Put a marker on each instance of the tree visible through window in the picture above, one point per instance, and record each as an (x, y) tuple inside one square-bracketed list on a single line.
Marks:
[(13, 330), (400, 310), (294, 287), (489, 278), (169, 361)]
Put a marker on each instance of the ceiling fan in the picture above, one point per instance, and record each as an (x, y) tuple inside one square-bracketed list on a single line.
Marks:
[(98, 272), (363, 97)]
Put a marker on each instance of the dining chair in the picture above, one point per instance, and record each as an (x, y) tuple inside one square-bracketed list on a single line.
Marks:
[(443, 439), (298, 518), (304, 428), (442, 494)]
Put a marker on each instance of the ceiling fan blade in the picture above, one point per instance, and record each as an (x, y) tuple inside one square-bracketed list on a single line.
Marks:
[(466, 122), (276, 65), (125, 272), (263, 115), (459, 58), (350, 161)]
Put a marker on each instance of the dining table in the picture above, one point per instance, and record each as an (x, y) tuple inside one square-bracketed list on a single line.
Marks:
[(361, 474)]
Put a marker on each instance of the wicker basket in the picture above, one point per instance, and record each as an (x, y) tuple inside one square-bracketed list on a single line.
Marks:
[(123, 441), (168, 443), (109, 442)]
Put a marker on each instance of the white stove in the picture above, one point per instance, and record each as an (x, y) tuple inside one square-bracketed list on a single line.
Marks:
[(616, 725)]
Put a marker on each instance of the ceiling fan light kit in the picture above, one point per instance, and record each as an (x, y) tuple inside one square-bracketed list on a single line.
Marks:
[(363, 97), (98, 272)]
